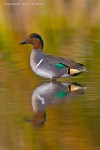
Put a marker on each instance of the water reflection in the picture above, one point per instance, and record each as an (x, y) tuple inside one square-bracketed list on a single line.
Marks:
[(52, 93)]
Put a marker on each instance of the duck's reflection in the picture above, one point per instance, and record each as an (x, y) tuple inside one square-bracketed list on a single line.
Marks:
[(52, 93)]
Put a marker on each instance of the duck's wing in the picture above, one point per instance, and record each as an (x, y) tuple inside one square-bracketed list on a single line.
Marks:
[(67, 62)]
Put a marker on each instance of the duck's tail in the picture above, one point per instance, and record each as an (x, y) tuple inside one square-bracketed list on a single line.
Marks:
[(74, 72)]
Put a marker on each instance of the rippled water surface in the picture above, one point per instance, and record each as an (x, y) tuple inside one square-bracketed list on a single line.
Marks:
[(35, 113), (66, 116)]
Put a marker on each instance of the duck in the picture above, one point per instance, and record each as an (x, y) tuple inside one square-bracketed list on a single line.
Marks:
[(49, 66), (50, 94)]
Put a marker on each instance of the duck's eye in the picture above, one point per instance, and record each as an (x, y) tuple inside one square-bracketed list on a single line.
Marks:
[(31, 36), (31, 41)]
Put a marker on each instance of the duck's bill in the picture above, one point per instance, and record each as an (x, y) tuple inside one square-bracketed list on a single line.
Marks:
[(25, 42)]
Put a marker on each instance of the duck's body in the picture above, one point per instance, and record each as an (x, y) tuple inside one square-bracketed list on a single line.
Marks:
[(43, 67), (54, 93), (49, 66)]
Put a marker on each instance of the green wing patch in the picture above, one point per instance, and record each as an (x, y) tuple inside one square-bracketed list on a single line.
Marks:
[(61, 94), (59, 65)]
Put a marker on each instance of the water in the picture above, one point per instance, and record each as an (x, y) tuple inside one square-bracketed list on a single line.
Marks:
[(68, 119)]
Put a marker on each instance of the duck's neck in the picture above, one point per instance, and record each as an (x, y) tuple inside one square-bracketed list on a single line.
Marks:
[(36, 55), (39, 51)]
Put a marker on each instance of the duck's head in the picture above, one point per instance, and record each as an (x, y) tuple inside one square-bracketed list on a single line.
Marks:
[(34, 39)]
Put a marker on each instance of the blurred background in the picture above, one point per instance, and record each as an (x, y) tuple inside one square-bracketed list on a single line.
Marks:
[(71, 29)]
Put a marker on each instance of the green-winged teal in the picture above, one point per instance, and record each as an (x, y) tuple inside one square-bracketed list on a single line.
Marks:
[(49, 94), (49, 66), (52, 93)]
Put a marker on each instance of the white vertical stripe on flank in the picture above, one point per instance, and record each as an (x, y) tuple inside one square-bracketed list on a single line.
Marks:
[(39, 63)]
